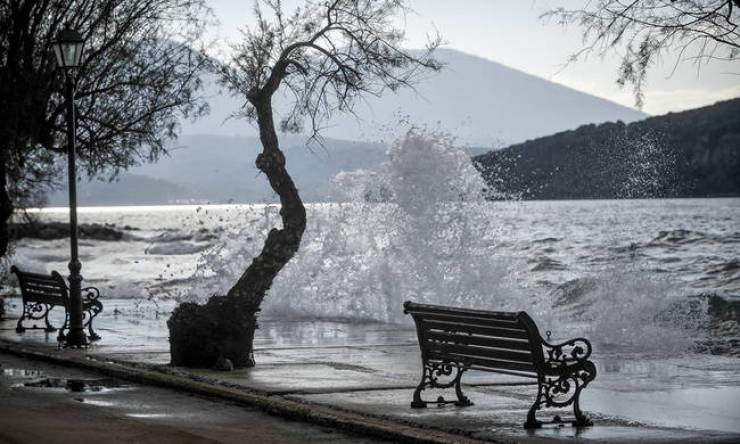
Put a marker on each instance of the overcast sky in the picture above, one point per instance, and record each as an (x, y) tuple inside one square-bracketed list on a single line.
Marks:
[(510, 32)]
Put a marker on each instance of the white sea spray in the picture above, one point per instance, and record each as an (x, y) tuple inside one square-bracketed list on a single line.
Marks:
[(417, 229), (420, 228)]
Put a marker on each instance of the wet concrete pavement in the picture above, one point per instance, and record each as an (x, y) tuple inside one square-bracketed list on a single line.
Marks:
[(372, 368), (46, 403)]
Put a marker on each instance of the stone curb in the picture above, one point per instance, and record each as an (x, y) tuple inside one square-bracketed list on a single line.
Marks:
[(319, 414)]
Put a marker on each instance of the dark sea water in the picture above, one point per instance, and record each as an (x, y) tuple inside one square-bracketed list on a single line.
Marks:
[(576, 260), (645, 273)]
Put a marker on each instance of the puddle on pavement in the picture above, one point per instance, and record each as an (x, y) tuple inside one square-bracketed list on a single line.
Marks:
[(76, 385), (97, 402), (149, 415)]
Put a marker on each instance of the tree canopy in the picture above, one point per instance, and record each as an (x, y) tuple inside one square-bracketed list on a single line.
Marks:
[(326, 55), (140, 75), (643, 31)]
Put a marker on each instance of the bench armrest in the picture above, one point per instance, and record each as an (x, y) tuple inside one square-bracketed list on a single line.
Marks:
[(91, 293), (566, 353)]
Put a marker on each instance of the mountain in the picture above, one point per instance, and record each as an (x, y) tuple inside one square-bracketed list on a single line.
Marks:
[(219, 169), (480, 101), (693, 153)]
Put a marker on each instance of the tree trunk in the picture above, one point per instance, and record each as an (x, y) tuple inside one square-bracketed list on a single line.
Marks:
[(223, 328), (6, 205)]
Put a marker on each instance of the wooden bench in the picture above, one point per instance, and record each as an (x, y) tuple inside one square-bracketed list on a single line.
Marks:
[(457, 340), (42, 292)]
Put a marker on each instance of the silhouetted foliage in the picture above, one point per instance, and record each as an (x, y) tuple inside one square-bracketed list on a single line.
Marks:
[(140, 75), (693, 153), (641, 31)]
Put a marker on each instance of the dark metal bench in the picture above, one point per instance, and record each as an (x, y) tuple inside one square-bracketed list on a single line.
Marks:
[(456, 340), (42, 292)]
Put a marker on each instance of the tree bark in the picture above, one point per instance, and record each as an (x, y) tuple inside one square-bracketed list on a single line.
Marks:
[(6, 205), (223, 328)]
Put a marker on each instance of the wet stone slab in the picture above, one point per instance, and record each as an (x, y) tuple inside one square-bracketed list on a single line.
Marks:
[(150, 358), (302, 377), (44, 403), (373, 367), (499, 413)]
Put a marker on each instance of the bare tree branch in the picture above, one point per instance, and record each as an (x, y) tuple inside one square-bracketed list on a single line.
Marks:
[(642, 31)]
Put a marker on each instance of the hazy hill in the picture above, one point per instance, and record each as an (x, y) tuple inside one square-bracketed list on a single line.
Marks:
[(480, 101), (691, 153), (218, 169)]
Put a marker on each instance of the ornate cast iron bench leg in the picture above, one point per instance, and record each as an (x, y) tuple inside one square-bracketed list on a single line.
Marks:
[(91, 307), (19, 328), (532, 422), (430, 377), (49, 328), (61, 336), (90, 313), (561, 391), (30, 313), (587, 374)]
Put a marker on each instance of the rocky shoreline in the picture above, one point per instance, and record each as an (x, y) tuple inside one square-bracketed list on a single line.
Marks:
[(60, 230)]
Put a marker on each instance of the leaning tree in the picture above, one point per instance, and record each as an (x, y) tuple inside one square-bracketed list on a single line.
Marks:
[(642, 31), (324, 55), (140, 76)]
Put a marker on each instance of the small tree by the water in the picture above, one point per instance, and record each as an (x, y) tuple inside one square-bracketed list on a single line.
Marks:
[(326, 55)]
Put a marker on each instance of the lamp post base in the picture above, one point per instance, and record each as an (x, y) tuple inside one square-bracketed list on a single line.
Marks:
[(76, 338)]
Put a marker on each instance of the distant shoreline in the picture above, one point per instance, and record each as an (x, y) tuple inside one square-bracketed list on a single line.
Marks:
[(167, 207)]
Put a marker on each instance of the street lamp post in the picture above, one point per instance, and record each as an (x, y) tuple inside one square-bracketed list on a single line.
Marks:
[(68, 50)]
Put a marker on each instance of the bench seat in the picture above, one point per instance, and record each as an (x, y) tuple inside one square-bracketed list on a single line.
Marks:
[(454, 340), (41, 293)]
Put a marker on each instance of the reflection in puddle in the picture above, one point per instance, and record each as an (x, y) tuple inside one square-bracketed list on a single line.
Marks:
[(149, 415), (21, 373), (97, 402), (76, 385), (621, 433)]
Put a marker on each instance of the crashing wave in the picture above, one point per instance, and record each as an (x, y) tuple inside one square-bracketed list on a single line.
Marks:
[(421, 228)]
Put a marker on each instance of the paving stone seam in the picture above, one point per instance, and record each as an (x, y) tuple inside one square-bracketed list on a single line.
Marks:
[(320, 391), (348, 420)]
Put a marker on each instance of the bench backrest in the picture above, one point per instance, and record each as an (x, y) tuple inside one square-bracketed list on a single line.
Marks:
[(42, 288), (503, 342)]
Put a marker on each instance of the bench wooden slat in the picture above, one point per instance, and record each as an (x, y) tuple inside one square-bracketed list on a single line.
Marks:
[(469, 350), (44, 292), (424, 308), (483, 362), (38, 277), (515, 332), (33, 293), (453, 317), (492, 330), (506, 344), (42, 286), (47, 282), (45, 299)]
